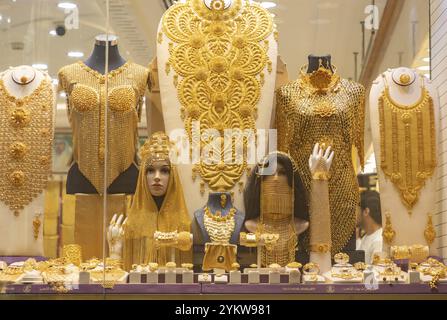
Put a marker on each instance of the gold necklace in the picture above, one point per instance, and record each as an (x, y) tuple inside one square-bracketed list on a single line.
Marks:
[(219, 56), (220, 229), (26, 131), (407, 143)]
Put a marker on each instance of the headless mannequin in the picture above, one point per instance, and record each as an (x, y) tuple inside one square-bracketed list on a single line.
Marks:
[(16, 233), (126, 181), (214, 205), (409, 228), (314, 62)]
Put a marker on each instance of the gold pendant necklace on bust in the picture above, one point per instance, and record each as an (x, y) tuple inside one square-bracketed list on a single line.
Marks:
[(407, 143), (26, 136), (219, 228)]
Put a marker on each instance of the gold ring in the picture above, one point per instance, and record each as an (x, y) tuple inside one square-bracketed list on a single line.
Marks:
[(341, 258), (311, 269)]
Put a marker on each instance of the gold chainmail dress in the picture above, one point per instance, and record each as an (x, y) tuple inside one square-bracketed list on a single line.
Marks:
[(333, 116), (86, 99), (277, 218), (26, 137)]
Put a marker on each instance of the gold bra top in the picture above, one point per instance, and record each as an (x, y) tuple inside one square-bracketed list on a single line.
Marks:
[(86, 101)]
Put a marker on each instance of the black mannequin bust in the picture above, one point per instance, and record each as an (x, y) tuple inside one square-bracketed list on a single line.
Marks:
[(126, 182), (214, 204), (314, 62)]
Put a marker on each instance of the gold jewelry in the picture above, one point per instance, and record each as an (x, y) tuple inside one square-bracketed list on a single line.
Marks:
[(320, 248), (171, 265), (87, 98), (311, 269), (320, 80), (419, 253), (388, 231), (72, 253), (294, 265), (335, 116), (235, 266), (360, 266), (153, 267), (341, 258), (25, 145), (404, 79), (400, 252), (157, 148), (430, 231), (223, 201), (188, 266), (36, 225), (346, 273), (230, 50), (408, 146), (321, 175), (413, 266), (219, 228)]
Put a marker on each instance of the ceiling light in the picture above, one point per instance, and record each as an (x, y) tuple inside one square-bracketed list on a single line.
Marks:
[(66, 5), (40, 66), (426, 59), (52, 33), (268, 4), (62, 95), (75, 54), (424, 68)]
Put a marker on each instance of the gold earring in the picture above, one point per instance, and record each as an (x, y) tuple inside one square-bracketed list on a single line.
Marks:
[(388, 231), (36, 226), (223, 200), (430, 232)]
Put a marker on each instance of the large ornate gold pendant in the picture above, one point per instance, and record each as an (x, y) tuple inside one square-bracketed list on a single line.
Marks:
[(218, 51)]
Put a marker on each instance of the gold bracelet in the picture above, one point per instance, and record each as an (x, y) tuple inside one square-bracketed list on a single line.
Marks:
[(321, 176), (320, 248), (311, 269), (360, 266), (341, 258)]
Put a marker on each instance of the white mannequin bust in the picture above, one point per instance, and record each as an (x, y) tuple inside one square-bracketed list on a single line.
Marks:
[(405, 89), (16, 232)]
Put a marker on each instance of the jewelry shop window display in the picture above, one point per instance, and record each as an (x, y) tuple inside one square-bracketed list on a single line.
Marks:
[(85, 85), (27, 117)]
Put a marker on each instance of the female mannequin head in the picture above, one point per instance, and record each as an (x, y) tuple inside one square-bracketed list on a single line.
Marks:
[(284, 174), (157, 175)]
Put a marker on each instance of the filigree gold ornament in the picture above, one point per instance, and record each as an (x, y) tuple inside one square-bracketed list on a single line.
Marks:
[(430, 231), (407, 143), (388, 232), (23, 175), (218, 54)]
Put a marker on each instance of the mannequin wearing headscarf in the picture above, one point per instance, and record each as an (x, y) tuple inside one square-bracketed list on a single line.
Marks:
[(149, 214)]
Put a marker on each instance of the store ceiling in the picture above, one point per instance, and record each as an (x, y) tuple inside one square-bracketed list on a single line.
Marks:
[(305, 26)]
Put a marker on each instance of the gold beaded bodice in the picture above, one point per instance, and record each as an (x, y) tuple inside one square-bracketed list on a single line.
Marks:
[(334, 117), (407, 143), (219, 55), (26, 137), (86, 100)]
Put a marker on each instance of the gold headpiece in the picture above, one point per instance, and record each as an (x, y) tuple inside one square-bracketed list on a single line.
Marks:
[(156, 148)]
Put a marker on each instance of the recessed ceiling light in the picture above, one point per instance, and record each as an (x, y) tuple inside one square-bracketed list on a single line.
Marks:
[(52, 33), (75, 54), (426, 59), (424, 68), (66, 5), (40, 66), (268, 4)]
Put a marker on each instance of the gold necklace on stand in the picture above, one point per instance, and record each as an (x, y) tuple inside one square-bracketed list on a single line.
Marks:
[(220, 228), (407, 143)]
